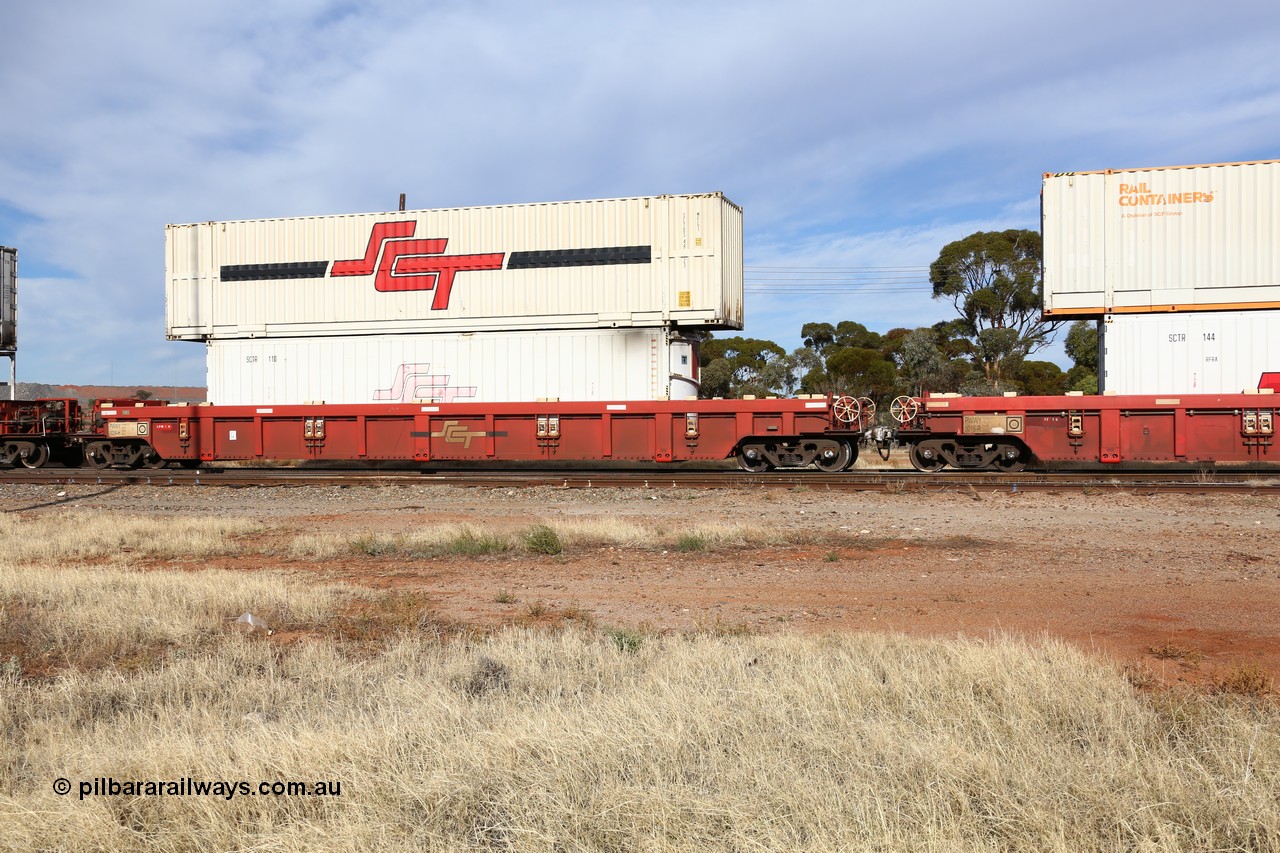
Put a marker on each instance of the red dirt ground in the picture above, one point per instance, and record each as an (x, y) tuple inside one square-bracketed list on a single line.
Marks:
[(1182, 588)]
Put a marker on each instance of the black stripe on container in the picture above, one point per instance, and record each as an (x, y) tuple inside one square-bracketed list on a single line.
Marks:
[(267, 272), (580, 257)]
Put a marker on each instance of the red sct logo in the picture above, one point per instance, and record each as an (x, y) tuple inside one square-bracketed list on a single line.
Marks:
[(403, 263)]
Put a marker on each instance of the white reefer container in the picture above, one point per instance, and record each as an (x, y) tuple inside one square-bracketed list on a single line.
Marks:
[(1182, 238), (8, 299), (488, 367), (1213, 352), (612, 263)]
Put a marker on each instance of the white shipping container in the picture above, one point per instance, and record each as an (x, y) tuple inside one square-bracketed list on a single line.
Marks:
[(1214, 352), (1183, 238), (484, 367), (8, 299), (612, 263)]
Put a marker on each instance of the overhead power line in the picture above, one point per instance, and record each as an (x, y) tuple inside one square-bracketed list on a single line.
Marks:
[(839, 269), (827, 280)]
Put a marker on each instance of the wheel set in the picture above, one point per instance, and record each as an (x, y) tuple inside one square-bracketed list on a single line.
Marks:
[(831, 455), (932, 455), (28, 454), (106, 454)]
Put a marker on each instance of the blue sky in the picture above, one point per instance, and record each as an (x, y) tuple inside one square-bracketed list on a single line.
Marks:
[(854, 135)]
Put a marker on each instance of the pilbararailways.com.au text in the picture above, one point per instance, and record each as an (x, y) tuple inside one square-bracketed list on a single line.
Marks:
[(187, 787)]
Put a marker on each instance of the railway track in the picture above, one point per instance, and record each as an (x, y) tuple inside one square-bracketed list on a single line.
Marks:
[(890, 480)]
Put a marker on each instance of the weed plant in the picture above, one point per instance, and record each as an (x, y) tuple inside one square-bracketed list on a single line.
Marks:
[(543, 539)]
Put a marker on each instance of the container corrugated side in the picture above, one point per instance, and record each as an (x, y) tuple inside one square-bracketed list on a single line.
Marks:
[(611, 263), (1188, 238), (588, 364), (1215, 352), (8, 299)]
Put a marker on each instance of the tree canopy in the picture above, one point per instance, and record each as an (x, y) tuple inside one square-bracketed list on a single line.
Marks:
[(1082, 347), (735, 366), (993, 279)]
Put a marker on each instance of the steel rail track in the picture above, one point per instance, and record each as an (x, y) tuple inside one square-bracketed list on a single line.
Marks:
[(892, 480)]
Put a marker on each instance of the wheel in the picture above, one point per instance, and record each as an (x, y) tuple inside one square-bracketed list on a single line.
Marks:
[(853, 455), (868, 409), (152, 459), (35, 457), (925, 457), (97, 454), (1011, 459), (904, 409), (751, 458), (834, 456), (846, 409)]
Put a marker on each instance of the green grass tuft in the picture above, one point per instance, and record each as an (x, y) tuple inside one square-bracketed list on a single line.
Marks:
[(541, 539), (688, 542)]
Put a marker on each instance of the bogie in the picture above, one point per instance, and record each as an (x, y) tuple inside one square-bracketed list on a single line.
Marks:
[(826, 454)]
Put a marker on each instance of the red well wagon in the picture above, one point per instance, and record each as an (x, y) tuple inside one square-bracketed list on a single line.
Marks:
[(761, 434), (1008, 433)]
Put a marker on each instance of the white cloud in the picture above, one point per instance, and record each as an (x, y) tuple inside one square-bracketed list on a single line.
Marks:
[(853, 135)]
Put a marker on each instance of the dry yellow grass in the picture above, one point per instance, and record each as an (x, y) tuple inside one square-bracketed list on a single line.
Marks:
[(587, 532), (60, 536), (54, 617), (600, 531), (535, 741), (586, 740)]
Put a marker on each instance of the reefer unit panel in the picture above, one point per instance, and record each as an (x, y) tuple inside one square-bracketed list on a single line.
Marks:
[(613, 263), (1215, 352), (8, 299), (1184, 238), (488, 367)]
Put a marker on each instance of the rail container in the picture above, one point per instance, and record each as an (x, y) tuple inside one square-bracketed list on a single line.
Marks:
[(1181, 238), (1207, 352), (578, 364), (613, 263), (8, 299), (9, 317)]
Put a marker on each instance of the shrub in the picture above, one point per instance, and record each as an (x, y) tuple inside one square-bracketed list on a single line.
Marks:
[(691, 542), (542, 539), (468, 543), (626, 641)]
